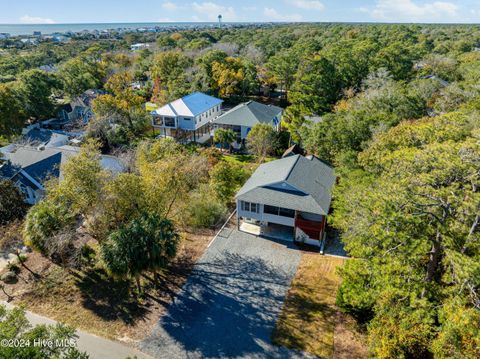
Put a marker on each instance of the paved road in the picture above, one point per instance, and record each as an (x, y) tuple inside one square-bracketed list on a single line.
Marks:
[(96, 347), (230, 303)]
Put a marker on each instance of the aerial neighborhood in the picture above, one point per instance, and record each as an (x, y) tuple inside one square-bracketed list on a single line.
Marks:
[(240, 190)]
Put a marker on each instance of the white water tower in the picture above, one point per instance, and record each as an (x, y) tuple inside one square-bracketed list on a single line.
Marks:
[(220, 20)]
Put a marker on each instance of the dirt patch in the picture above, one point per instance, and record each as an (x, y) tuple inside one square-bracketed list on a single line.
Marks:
[(91, 301), (310, 321)]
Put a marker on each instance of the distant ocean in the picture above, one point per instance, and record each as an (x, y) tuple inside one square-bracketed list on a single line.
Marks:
[(45, 29)]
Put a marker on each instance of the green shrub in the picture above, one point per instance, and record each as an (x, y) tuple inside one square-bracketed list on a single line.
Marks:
[(206, 209)]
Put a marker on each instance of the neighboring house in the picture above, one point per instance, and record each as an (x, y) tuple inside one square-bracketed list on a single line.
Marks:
[(29, 41), (42, 138), (78, 113), (139, 46), (290, 195), (243, 117), (29, 167), (188, 118)]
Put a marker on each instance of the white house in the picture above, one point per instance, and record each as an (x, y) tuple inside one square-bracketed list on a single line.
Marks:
[(187, 118), (291, 195)]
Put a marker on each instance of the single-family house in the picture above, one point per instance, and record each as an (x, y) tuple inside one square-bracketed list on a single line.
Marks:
[(139, 46), (188, 118), (29, 167), (243, 117), (291, 195), (78, 113)]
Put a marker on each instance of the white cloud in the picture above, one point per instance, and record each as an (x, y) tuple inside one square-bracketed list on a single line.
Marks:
[(27, 19), (209, 11), (167, 5), (408, 10), (272, 14), (306, 4)]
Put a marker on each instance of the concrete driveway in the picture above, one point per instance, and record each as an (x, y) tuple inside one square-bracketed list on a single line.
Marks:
[(230, 303)]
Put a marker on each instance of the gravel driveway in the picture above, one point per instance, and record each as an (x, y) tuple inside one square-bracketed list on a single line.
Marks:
[(230, 303)]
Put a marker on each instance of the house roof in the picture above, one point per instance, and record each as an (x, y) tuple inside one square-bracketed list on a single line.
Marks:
[(40, 164), (190, 105), (16, 174), (38, 136), (295, 182), (292, 151), (37, 164), (249, 114)]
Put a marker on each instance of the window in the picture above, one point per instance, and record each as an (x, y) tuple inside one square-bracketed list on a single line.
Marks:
[(285, 212), (278, 211), (157, 121), (270, 210), (186, 119), (169, 121), (250, 207)]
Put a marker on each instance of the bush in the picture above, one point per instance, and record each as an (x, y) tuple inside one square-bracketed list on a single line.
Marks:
[(356, 296), (43, 221), (205, 208), (226, 178)]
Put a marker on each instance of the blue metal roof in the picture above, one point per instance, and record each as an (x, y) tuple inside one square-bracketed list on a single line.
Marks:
[(198, 102)]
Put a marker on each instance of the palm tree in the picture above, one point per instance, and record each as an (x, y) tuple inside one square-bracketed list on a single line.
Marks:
[(147, 243), (224, 136)]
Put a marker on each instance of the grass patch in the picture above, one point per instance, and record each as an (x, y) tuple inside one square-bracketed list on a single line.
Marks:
[(309, 317)]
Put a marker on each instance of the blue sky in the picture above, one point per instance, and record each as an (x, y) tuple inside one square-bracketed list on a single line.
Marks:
[(67, 11)]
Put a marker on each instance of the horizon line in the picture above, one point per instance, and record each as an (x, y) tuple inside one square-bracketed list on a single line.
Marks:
[(244, 22)]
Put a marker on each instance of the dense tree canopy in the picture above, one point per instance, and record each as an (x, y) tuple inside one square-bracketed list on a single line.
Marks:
[(12, 204), (412, 220), (12, 115)]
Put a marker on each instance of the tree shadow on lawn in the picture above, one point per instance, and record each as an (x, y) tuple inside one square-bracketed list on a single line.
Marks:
[(109, 299)]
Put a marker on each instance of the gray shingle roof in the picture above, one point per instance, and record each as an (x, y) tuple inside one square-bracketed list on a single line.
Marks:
[(45, 163), (249, 114), (310, 182), (37, 164)]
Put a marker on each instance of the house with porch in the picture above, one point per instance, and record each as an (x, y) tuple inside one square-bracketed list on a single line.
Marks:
[(243, 117), (288, 198), (187, 119)]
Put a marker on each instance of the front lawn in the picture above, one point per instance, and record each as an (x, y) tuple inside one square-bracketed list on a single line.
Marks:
[(310, 321), (91, 301)]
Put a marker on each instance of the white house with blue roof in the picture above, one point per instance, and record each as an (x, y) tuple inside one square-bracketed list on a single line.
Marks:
[(188, 118)]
